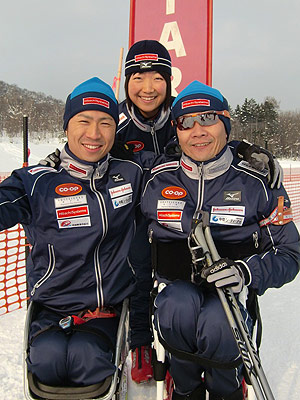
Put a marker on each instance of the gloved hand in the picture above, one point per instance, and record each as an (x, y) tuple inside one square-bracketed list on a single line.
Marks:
[(52, 160), (173, 149), (227, 273), (122, 150), (260, 158)]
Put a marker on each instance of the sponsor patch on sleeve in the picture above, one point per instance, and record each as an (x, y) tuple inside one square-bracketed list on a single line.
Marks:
[(281, 215)]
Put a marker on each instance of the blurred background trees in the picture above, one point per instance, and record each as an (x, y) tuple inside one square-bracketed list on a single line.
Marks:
[(264, 124)]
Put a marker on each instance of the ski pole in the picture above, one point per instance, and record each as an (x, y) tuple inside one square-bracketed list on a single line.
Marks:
[(202, 236), (160, 352)]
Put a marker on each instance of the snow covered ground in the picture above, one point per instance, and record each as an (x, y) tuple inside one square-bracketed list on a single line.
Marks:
[(280, 349)]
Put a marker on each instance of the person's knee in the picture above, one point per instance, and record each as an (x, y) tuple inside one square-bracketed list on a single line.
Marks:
[(89, 359), (47, 358), (179, 295)]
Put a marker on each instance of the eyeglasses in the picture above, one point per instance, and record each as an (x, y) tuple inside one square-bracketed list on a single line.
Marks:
[(206, 118)]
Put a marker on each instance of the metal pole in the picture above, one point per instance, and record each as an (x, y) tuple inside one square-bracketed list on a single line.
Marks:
[(250, 357), (25, 141), (119, 73)]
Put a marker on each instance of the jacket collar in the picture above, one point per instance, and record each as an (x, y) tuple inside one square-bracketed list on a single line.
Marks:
[(209, 169), (82, 169), (145, 125)]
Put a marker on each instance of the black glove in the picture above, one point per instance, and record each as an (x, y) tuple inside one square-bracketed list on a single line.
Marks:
[(173, 150), (122, 150), (260, 159), (227, 273), (52, 160)]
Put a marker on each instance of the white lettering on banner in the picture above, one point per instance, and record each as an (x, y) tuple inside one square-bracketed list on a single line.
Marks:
[(220, 219), (170, 7), (70, 201), (177, 76), (171, 28)]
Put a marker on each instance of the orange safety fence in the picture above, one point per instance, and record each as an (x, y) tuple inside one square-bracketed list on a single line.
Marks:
[(13, 250)]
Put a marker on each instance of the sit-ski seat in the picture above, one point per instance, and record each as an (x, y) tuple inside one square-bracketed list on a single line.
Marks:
[(111, 388)]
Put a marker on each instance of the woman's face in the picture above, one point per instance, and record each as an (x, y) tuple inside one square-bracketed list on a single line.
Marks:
[(147, 91)]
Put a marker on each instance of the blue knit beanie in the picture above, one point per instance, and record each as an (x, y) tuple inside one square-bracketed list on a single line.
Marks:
[(93, 94), (147, 55), (197, 97)]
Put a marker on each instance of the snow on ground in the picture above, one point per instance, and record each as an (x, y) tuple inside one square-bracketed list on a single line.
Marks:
[(280, 349)]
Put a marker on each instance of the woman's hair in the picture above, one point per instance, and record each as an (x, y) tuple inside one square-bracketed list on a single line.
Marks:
[(166, 103)]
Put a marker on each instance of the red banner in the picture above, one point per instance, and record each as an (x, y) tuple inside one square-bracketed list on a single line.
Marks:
[(184, 27)]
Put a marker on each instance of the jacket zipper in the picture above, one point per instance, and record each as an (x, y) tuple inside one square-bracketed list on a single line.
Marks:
[(100, 294), (154, 139), (200, 192), (49, 270), (255, 239)]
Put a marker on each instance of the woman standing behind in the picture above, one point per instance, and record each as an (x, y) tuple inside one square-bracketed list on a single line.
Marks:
[(145, 123)]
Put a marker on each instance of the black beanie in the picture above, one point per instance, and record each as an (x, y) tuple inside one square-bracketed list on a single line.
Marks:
[(148, 55)]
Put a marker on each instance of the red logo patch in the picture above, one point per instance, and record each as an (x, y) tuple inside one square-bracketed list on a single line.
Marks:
[(173, 192), (95, 100), (169, 215), (145, 57), (66, 223), (138, 146), (195, 102), (68, 189)]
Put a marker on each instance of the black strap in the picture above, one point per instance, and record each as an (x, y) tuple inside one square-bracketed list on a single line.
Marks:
[(76, 328), (196, 358)]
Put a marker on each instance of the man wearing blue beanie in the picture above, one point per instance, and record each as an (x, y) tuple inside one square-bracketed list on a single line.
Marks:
[(251, 225), (79, 220)]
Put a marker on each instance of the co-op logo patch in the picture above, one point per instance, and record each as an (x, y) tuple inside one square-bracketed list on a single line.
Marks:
[(173, 192), (68, 189)]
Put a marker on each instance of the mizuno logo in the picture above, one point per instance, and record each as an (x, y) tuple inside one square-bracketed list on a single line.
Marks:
[(145, 64), (233, 195)]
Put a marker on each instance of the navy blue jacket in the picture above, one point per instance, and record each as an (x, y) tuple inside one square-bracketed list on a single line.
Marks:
[(80, 222), (238, 201), (144, 134)]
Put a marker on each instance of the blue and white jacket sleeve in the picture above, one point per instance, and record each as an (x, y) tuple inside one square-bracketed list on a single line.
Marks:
[(278, 260), (14, 204)]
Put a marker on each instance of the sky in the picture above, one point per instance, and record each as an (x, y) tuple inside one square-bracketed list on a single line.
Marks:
[(50, 46)]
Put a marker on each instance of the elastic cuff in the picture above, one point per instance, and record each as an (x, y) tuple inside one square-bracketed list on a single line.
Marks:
[(246, 271)]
